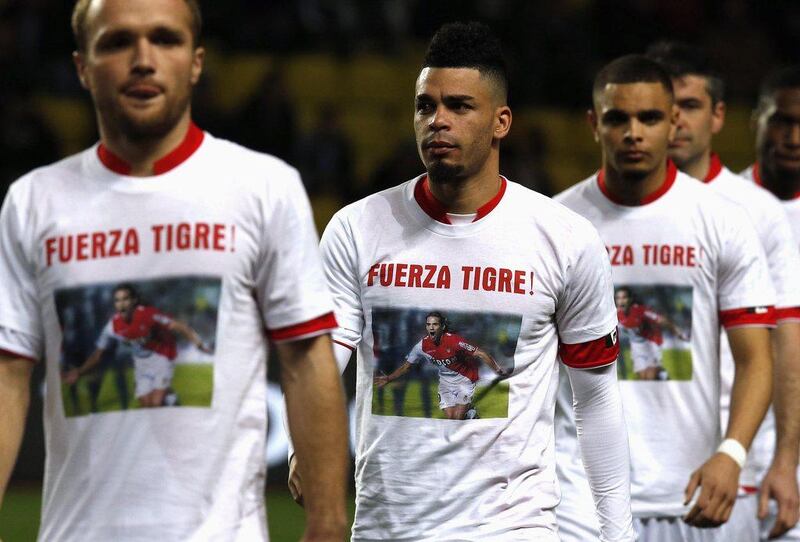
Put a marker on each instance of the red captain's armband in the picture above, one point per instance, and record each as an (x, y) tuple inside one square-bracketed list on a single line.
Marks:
[(588, 355), (763, 316), (317, 326), (787, 314)]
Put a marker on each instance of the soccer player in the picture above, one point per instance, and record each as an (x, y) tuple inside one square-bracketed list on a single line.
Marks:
[(688, 245), (160, 199), (151, 334), (644, 325), (458, 362), (464, 238), (777, 169), (772, 461)]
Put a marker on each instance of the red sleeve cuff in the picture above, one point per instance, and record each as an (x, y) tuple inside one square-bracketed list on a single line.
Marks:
[(750, 316), (784, 314), (11, 354), (589, 355), (326, 322)]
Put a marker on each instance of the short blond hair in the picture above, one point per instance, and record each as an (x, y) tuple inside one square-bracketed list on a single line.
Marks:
[(82, 8)]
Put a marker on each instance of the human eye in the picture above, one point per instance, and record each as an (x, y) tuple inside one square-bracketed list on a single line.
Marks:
[(166, 36), (113, 42), (614, 118), (424, 106), (651, 117)]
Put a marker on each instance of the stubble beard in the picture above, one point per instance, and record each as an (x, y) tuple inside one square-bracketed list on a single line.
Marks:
[(439, 172), (141, 129)]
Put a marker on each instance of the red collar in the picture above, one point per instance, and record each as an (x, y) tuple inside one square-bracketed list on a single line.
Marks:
[(713, 168), (434, 208), (194, 137), (669, 180), (757, 175)]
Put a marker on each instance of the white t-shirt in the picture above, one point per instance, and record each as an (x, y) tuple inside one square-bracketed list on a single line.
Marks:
[(685, 255), (224, 235), (525, 281), (791, 207), (783, 259)]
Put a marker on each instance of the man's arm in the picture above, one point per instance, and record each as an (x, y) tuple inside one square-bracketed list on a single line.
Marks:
[(189, 334), (780, 482), (489, 361), (718, 478), (382, 380), (72, 376), (15, 379), (600, 425), (316, 411)]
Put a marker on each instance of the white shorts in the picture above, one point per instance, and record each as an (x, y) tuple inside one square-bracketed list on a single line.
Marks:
[(152, 373), (645, 354), (766, 524), (673, 529), (743, 525), (455, 390)]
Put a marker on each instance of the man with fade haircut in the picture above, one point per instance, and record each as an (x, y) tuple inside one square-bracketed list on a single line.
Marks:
[(777, 169), (175, 473), (425, 479), (686, 250), (772, 461)]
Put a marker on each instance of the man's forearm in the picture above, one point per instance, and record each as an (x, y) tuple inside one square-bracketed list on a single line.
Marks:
[(752, 382), (15, 376), (604, 448), (318, 424), (786, 393)]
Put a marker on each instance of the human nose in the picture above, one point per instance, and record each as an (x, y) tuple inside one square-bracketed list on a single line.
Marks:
[(143, 60), (439, 119), (633, 131), (793, 135)]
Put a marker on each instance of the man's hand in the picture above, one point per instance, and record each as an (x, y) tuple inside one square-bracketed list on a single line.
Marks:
[(295, 487), (718, 479), (780, 484), (380, 381), (70, 377)]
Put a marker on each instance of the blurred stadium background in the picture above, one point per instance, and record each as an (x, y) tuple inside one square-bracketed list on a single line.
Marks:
[(327, 85)]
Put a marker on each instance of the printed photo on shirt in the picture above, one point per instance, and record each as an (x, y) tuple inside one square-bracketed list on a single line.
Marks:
[(432, 363), (655, 325), (132, 345)]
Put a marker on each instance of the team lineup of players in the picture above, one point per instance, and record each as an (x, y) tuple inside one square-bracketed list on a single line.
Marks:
[(653, 311)]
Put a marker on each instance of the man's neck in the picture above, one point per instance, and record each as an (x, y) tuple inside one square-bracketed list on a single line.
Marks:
[(784, 187), (142, 155), (630, 191), (698, 167), (464, 196)]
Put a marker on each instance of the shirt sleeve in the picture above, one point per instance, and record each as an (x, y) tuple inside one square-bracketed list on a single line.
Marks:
[(339, 257), (106, 337), (585, 313), (745, 293), (290, 284), (416, 355), (783, 260), (19, 306)]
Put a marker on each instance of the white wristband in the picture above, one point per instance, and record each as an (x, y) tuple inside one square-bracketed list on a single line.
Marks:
[(734, 449)]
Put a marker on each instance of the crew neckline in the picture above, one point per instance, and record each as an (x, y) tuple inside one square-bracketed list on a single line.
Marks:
[(434, 208), (191, 142), (669, 181)]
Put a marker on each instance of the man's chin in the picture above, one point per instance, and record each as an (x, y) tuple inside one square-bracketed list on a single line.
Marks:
[(440, 172)]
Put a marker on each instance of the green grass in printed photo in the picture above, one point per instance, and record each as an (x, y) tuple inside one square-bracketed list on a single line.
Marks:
[(677, 362), (193, 383), (410, 403)]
